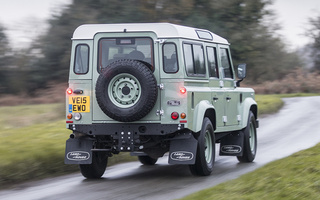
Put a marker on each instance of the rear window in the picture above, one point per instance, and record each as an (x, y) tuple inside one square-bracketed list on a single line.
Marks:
[(170, 59), (112, 49), (81, 60)]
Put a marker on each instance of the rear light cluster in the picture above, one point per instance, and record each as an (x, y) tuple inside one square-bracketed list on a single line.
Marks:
[(175, 116), (75, 116)]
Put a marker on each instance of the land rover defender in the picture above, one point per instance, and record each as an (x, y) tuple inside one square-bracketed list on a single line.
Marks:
[(155, 89)]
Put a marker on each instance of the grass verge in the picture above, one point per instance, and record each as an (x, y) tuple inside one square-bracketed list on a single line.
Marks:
[(32, 152), (294, 177), (271, 103), (37, 151), (32, 144), (268, 104)]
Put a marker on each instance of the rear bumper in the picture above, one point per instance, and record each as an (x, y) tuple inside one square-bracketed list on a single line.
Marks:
[(137, 129)]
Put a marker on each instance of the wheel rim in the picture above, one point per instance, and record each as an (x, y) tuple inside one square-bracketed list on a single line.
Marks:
[(208, 147), (252, 138), (124, 90)]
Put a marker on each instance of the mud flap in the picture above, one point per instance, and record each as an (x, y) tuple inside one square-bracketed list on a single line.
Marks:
[(183, 150), (78, 151), (232, 144)]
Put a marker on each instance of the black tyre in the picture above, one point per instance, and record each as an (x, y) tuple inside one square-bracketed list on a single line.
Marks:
[(97, 168), (206, 150), (126, 90), (147, 160), (250, 140)]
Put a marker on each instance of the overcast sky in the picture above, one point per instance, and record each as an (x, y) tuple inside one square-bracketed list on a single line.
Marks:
[(293, 16), (24, 19)]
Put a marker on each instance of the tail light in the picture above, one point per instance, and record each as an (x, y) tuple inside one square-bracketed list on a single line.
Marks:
[(174, 115), (183, 90), (69, 91)]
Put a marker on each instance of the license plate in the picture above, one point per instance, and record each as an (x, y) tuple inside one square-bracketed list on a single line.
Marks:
[(79, 104)]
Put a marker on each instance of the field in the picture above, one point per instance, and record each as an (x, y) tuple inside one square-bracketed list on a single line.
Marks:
[(32, 140)]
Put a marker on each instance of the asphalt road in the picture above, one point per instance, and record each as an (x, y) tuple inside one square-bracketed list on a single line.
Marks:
[(294, 128)]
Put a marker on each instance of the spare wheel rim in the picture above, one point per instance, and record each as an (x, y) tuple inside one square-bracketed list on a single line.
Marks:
[(124, 90)]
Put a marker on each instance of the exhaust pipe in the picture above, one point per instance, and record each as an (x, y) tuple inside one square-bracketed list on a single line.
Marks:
[(77, 135)]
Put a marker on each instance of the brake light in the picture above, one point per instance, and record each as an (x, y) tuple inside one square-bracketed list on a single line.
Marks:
[(183, 90), (174, 115), (69, 91)]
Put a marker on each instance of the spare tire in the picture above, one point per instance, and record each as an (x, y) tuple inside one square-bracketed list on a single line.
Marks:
[(126, 90)]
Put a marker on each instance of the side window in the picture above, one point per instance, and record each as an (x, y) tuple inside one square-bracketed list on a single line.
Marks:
[(188, 56), (170, 61), (194, 60), (199, 60), (212, 62), (81, 60), (226, 64)]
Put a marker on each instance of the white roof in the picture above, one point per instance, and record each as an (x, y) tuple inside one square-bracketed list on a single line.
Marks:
[(162, 30)]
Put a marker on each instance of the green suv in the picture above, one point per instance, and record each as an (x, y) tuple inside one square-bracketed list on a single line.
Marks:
[(153, 89)]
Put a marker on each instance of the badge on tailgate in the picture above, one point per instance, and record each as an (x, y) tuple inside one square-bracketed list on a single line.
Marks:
[(79, 104)]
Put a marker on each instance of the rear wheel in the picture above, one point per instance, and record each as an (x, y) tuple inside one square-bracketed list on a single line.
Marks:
[(206, 150), (97, 168), (147, 160), (250, 140)]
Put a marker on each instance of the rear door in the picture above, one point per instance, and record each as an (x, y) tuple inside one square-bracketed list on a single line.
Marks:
[(110, 47), (80, 76)]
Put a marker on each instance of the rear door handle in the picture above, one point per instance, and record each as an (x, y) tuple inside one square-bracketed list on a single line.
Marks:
[(228, 98)]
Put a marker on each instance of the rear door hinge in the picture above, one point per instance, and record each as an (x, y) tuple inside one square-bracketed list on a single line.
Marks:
[(161, 41), (160, 112), (161, 86)]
